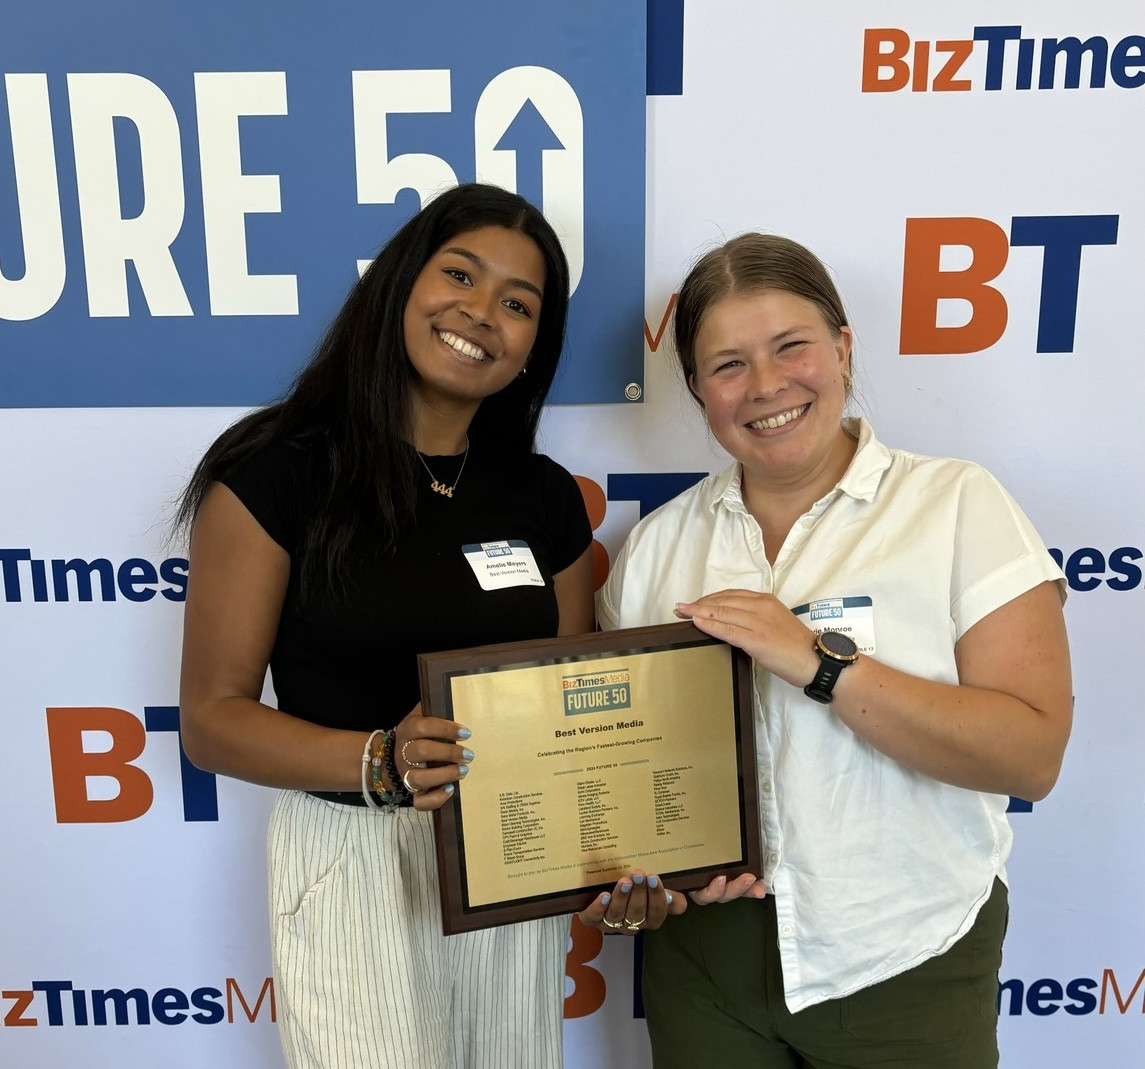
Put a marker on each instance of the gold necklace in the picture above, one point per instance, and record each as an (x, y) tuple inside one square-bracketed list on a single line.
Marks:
[(437, 485)]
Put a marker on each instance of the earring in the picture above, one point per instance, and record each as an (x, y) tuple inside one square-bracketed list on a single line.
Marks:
[(521, 373)]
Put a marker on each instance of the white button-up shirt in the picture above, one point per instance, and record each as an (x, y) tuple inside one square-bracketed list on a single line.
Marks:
[(875, 867)]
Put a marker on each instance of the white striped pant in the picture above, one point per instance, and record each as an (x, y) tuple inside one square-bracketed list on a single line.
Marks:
[(364, 979)]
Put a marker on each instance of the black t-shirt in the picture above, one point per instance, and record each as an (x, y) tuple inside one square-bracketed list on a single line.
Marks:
[(351, 662)]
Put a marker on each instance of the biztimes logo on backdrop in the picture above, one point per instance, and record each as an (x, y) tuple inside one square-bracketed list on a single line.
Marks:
[(24, 577), (994, 58), (62, 1002)]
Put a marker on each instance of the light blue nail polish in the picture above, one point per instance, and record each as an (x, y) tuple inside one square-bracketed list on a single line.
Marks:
[(653, 883), (625, 887), (605, 899), (668, 895), (637, 879), (463, 770), (467, 755), (464, 733), (449, 788)]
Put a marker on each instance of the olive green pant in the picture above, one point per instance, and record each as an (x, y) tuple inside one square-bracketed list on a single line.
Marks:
[(713, 995)]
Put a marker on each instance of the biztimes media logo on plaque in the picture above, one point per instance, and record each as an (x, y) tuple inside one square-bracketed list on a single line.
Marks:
[(596, 692)]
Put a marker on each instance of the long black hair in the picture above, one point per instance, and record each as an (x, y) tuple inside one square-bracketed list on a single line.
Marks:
[(354, 394)]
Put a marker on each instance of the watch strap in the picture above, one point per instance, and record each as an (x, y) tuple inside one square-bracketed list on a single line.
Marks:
[(822, 686)]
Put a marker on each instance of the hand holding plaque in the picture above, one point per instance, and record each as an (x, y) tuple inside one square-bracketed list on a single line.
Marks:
[(601, 755)]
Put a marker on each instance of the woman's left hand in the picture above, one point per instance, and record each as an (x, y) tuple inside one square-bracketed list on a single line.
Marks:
[(760, 625), (637, 903), (431, 756)]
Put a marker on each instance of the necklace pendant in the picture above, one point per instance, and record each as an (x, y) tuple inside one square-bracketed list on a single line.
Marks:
[(435, 484)]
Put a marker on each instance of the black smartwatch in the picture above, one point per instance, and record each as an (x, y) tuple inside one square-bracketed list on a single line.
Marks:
[(836, 651)]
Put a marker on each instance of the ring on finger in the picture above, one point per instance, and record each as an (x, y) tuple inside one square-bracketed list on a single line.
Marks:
[(614, 927), (406, 783), (634, 926), (405, 760)]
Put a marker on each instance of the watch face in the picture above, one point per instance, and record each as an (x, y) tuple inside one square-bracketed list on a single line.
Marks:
[(838, 644)]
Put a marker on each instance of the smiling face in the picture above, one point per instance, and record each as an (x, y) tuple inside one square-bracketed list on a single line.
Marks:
[(771, 377), (471, 318)]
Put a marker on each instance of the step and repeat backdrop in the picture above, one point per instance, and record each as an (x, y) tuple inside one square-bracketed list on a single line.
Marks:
[(186, 194)]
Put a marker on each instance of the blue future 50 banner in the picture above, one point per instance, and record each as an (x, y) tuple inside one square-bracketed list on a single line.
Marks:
[(187, 190)]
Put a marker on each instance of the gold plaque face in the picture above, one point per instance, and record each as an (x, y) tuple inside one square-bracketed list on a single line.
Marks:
[(597, 755)]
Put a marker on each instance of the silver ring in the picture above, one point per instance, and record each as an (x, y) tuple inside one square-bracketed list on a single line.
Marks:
[(406, 760), (634, 926), (406, 783), (608, 924)]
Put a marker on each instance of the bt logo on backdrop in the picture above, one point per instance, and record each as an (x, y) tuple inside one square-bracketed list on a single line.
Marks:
[(76, 759), (927, 281)]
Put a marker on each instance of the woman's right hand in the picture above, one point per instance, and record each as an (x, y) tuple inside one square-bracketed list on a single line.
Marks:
[(638, 903), (721, 889), (431, 755)]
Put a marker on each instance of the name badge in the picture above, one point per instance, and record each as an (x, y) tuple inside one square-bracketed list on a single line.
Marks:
[(503, 564), (854, 617)]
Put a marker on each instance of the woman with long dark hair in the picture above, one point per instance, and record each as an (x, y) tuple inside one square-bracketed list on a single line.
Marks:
[(336, 535)]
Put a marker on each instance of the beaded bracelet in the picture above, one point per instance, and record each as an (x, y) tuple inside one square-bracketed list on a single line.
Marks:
[(383, 759), (371, 765), (401, 795)]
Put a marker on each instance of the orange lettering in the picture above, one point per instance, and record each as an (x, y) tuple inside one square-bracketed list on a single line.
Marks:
[(588, 984), (875, 60), (234, 990), (72, 765), (944, 80), (21, 1000), (921, 67), (654, 342), (596, 504), (1108, 980), (924, 284)]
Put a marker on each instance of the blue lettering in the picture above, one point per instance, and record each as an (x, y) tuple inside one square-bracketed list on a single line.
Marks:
[(1015, 989), (119, 999), (1120, 562), (1043, 996), (203, 998), (1062, 237), (1080, 990), (134, 574), (996, 38), (52, 989), (1128, 52), (200, 788), (651, 489), (1073, 48), (174, 571), (166, 1005), (136, 579), (1083, 563), (1085, 568), (1123, 63), (10, 571), (82, 570)]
